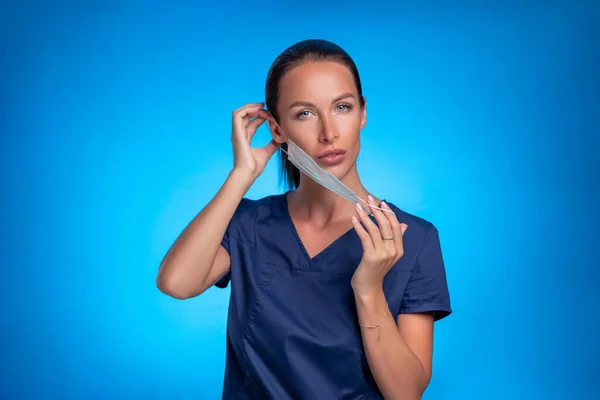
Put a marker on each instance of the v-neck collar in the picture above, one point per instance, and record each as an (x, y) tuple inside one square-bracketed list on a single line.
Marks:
[(314, 260)]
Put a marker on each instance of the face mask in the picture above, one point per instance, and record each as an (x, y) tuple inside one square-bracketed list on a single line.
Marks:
[(310, 168)]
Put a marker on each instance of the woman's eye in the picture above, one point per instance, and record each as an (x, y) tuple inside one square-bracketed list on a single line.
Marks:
[(303, 114), (343, 107)]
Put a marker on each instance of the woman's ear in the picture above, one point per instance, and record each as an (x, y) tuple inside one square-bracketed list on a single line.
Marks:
[(276, 133), (363, 114)]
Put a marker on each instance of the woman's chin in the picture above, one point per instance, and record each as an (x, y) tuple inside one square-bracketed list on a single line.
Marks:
[(340, 171)]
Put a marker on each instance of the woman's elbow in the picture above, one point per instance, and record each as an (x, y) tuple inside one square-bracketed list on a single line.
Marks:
[(166, 285)]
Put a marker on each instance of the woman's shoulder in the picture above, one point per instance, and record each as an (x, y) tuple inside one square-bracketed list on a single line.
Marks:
[(251, 208), (248, 213), (261, 201), (416, 223), (249, 203)]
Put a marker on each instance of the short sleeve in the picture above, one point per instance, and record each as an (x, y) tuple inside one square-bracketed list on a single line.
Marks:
[(427, 289), (225, 242)]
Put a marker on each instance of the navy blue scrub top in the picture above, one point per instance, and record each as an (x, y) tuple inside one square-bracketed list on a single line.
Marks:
[(292, 328)]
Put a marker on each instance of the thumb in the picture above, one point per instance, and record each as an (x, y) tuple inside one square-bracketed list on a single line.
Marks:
[(272, 147)]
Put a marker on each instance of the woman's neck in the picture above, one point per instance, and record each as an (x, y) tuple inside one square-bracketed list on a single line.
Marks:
[(311, 201)]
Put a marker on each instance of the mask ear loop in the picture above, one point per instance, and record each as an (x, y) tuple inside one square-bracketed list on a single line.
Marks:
[(286, 136)]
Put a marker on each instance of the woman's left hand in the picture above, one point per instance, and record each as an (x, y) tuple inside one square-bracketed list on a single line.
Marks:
[(382, 247)]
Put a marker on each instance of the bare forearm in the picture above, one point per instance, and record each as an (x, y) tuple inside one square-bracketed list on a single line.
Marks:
[(397, 370), (191, 256)]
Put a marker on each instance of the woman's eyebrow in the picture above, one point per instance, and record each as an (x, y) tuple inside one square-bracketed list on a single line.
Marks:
[(342, 96), (308, 104)]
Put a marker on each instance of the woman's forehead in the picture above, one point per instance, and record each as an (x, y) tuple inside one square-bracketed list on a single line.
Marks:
[(316, 82)]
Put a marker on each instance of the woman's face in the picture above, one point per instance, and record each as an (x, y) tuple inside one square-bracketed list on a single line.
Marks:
[(319, 110)]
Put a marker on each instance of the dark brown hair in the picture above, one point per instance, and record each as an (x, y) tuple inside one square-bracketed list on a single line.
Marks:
[(313, 50)]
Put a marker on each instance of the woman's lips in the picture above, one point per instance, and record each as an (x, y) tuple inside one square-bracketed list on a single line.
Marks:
[(332, 159)]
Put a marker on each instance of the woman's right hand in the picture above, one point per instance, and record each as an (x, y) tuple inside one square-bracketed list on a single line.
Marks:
[(245, 158)]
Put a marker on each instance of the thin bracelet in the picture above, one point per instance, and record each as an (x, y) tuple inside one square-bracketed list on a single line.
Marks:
[(377, 325)]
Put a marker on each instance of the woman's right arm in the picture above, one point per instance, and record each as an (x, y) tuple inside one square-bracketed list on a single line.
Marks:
[(196, 260)]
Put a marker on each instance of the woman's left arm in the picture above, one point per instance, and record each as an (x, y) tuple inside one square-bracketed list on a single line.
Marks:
[(399, 355)]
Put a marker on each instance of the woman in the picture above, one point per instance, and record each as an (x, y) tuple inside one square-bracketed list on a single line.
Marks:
[(327, 301)]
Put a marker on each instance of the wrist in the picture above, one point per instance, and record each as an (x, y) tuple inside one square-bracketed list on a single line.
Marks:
[(242, 177), (367, 293), (372, 310)]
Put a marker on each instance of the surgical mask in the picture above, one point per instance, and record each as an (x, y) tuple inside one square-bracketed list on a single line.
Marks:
[(310, 168)]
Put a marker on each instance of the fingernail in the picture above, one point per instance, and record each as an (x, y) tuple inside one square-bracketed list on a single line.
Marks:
[(371, 199), (384, 204), (354, 219), (358, 207)]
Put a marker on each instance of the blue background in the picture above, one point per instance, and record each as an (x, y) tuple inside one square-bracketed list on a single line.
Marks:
[(115, 131)]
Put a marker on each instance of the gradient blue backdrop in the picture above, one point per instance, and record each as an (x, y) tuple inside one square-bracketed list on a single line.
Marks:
[(115, 125)]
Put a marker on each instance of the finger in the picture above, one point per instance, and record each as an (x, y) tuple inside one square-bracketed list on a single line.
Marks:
[(271, 147), (363, 235), (242, 115), (256, 113), (399, 240), (239, 122), (385, 227), (396, 226), (398, 229), (253, 125), (260, 116), (370, 226), (250, 105), (404, 228), (247, 112)]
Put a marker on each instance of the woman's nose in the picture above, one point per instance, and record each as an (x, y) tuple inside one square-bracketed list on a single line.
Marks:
[(328, 131)]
